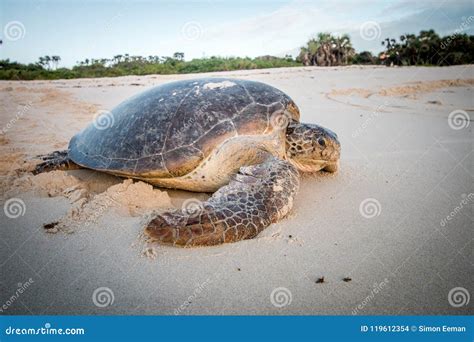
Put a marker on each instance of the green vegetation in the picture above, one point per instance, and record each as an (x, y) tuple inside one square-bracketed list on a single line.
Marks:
[(427, 48), (327, 50), (122, 65)]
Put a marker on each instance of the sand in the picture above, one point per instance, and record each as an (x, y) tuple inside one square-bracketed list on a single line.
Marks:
[(390, 233)]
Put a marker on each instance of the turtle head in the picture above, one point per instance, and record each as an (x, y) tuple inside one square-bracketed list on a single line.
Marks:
[(312, 148)]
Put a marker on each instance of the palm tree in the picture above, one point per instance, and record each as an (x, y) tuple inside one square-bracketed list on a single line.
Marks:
[(178, 56), (327, 50), (117, 59), (343, 49), (42, 62), (47, 59), (324, 56), (303, 56), (55, 60)]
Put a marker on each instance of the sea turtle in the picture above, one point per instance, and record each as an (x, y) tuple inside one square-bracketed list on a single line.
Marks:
[(240, 139)]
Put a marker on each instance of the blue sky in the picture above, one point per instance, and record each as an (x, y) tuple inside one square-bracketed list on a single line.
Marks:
[(76, 30)]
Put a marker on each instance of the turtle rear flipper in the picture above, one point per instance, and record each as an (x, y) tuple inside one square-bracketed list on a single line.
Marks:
[(57, 160), (256, 197)]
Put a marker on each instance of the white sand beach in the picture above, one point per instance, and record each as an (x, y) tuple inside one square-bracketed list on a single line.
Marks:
[(396, 221)]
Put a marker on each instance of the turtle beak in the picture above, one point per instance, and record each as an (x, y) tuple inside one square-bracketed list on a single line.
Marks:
[(335, 152), (332, 167)]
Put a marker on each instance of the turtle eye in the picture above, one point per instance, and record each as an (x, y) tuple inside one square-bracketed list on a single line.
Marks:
[(321, 142)]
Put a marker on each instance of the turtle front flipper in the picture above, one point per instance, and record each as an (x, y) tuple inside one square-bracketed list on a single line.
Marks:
[(256, 196), (57, 160)]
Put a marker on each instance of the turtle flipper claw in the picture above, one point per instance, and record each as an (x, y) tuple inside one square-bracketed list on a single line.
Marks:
[(57, 160)]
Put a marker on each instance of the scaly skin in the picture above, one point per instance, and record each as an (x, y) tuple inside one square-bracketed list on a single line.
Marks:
[(312, 148), (256, 197)]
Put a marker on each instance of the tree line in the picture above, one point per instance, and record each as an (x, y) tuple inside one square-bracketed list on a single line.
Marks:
[(325, 49), (426, 48), (123, 65)]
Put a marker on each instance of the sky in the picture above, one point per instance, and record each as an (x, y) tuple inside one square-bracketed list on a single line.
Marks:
[(76, 30)]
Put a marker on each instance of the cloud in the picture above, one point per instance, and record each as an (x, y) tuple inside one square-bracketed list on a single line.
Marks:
[(157, 28), (285, 29), (290, 25)]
